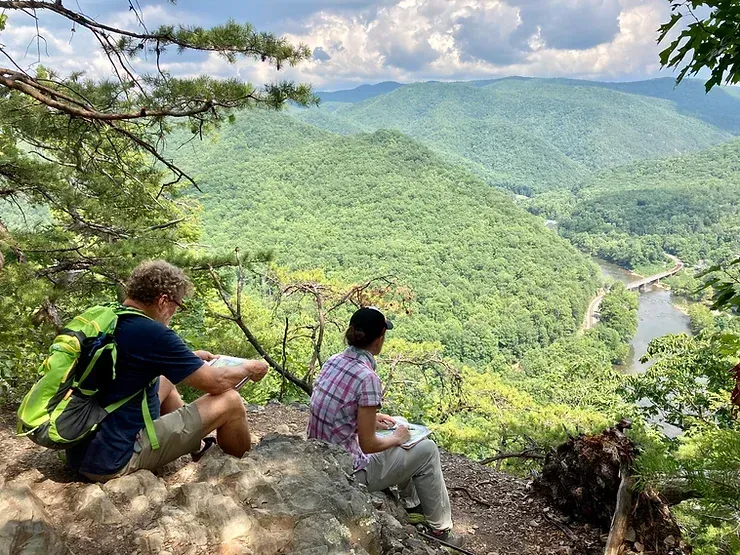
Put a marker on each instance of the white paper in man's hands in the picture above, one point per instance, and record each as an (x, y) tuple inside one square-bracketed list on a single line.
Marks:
[(224, 360)]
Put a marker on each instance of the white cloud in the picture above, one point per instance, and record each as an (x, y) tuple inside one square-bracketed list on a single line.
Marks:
[(463, 39), (403, 40)]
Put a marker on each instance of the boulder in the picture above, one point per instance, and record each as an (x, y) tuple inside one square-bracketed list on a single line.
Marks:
[(95, 505), (25, 527), (128, 488)]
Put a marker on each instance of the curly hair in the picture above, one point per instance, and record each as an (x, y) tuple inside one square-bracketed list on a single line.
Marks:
[(153, 278)]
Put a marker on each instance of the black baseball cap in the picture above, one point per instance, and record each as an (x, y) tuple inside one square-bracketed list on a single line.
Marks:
[(371, 321)]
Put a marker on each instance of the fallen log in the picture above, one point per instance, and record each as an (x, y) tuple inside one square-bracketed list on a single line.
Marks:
[(526, 454)]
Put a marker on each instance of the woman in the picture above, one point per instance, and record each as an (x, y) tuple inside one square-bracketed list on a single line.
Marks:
[(344, 410)]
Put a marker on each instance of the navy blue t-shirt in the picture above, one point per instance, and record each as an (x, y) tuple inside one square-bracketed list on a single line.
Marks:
[(146, 350)]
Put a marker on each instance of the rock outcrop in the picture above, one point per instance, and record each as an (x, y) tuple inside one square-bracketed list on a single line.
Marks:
[(287, 496)]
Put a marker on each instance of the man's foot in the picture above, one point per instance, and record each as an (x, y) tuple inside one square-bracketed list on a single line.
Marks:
[(448, 536), (208, 442), (416, 515)]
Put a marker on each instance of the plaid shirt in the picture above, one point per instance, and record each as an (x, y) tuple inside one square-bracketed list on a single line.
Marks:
[(347, 381)]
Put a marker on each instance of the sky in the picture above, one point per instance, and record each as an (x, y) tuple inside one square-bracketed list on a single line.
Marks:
[(369, 41)]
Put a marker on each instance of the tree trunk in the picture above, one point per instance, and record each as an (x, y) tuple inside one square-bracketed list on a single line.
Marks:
[(621, 513)]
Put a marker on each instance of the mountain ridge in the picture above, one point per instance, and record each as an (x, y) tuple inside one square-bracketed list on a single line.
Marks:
[(382, 203), (569, 127)]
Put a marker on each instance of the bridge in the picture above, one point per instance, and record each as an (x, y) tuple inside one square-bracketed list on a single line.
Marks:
[(591, 318), (641, 284)]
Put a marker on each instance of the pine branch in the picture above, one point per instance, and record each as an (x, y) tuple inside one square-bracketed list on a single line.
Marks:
[(230, 39), (51, 98)]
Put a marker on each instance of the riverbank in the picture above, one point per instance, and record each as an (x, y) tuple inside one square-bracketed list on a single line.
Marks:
[(657, 315)]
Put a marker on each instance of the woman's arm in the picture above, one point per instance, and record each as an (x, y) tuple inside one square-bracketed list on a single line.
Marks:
[(369, 441)]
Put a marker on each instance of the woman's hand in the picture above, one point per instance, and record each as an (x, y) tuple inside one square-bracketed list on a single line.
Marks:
[(402, 434), (384, 422)]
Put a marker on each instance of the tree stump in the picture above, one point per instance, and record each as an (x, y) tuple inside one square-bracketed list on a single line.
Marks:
[(583, 476)]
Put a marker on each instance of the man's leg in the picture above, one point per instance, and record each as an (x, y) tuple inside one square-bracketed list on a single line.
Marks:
[(226, 414), (422, 466), (169, 397), (180, 432)]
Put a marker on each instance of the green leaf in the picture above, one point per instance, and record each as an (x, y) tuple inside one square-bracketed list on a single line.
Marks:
[(666, 27)]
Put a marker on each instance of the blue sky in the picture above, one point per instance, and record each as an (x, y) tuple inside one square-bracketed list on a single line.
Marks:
[(368, 41)]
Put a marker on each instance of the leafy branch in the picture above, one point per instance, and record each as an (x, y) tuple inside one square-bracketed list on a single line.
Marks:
[(710, 44), (138, 105)]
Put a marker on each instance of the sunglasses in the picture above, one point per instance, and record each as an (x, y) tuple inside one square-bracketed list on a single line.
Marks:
[(180, 305)]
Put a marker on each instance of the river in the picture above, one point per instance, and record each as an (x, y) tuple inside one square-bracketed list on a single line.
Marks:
[(656, 316)]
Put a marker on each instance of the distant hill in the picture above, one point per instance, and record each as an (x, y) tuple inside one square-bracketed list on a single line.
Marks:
[(532, 135), (686, 205), (721, 107), (363, 92), (489, 278)]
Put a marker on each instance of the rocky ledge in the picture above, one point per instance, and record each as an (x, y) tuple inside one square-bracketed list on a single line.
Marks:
[(287, 496)]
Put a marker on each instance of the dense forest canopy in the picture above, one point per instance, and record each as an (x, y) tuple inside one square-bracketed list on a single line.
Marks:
[(628, 212), (488, 278), (687, 206), (718, 107)]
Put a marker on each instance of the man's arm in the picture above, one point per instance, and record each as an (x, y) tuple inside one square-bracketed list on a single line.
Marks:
[(369, 441), (217, 380)]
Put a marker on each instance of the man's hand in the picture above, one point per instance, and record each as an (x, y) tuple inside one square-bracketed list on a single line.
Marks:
[(401, 434), (384, 422), (256, 369), (205, 356)]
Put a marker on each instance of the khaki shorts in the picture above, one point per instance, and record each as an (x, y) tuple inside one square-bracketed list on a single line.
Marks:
[(178, 433)]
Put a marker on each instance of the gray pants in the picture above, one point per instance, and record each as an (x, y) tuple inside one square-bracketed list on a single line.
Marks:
[(418, 474)]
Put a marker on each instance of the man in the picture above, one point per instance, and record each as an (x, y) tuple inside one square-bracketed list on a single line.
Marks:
[(152, 356)]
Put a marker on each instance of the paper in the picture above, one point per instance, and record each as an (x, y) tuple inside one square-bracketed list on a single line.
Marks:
[(417, 431), (224, 360)]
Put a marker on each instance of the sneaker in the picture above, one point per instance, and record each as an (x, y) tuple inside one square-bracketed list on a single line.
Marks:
[(208, 442), (416, 515), (449, 537)]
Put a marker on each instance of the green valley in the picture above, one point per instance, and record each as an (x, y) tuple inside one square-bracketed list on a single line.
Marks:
[(686, 205), (489, 279)]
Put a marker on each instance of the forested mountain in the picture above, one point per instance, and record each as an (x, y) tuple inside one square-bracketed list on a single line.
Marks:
[(720, 107), (686, 205), (488, 277), (528, 135), (363, 92)]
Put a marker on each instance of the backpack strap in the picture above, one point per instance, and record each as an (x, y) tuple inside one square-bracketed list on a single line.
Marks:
[(148, 421), (121, 309)]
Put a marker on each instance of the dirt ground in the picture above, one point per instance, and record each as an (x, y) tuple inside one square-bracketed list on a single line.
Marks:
[(499, 514)]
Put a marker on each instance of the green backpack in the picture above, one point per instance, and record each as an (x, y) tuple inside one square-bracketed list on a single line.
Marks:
[(62, 408)]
